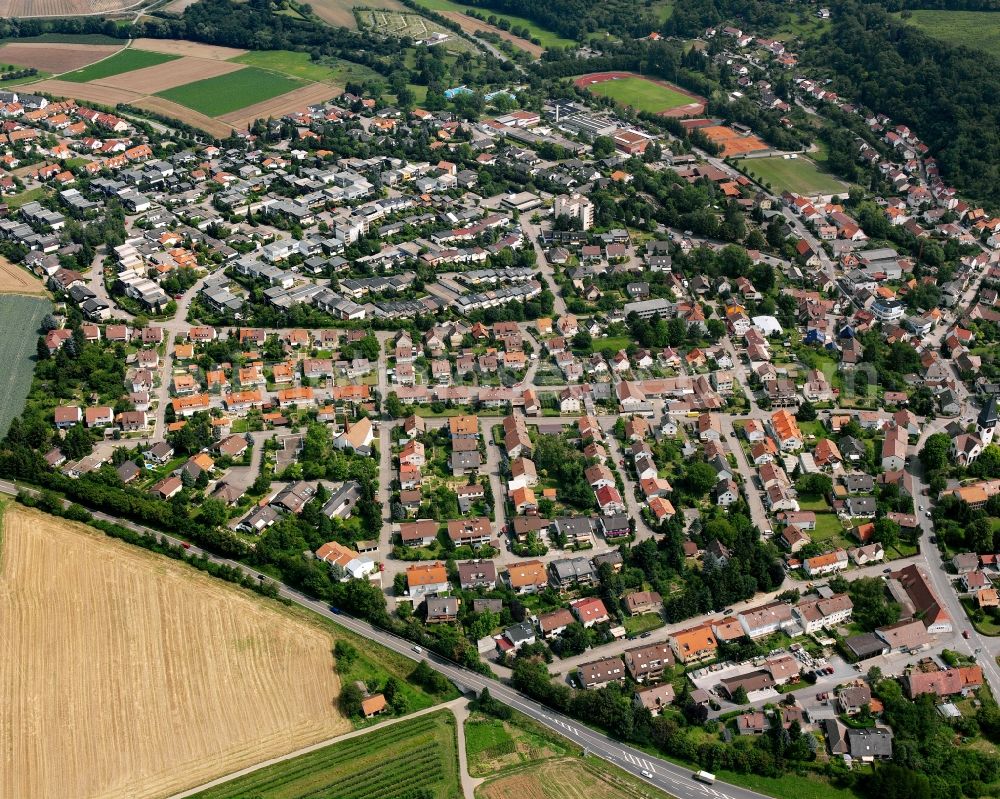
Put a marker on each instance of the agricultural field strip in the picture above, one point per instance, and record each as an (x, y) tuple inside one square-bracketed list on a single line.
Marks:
[(18, 280), (404, 738), (203, 677), (19, 318), (158, 78), (231, 92), (54, 58), (124, 61), (87, 92), (62, 8), (295, 100), (194, 49), (167, 108)]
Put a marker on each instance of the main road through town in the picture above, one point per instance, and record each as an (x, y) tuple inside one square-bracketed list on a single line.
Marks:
[(665, 775)]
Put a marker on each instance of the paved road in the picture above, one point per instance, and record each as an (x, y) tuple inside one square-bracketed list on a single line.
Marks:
[(984, 649), (532, 232), (662, 773)]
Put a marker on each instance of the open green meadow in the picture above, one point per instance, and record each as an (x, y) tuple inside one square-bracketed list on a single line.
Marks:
[(641, 94), (389, 763), (123, 61), (19, 321), (27, 196), (797, 175), (546, 37), (663, 10), (226, 93), (977, 30)]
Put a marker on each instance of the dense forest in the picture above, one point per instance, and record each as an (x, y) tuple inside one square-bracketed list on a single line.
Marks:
[(950, 5), (947, 94), (691, 18), (576, 19)]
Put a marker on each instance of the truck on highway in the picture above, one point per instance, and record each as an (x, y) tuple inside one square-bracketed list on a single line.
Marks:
[(705, 776)]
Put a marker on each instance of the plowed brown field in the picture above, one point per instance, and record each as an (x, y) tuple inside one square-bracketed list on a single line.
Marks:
[(93, 92), (195, 49), (185, 114), (128, 674), (54, 58)]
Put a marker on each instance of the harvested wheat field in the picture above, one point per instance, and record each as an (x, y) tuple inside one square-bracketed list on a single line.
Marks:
[(126, 674), (213, 52), (62, 8), (15, 280), (54, 58), (177, 111), (86, 92), (295, 100), (157, 78)]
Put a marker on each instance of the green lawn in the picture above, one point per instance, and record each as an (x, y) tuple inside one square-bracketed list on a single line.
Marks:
[(977, 30), (28, 196), (637, 625), (641, 94), (226, 93), (814, 428), (828, 527), (19, 321), (809, 502), (123, 61), (612, 343), (546, 37), (397, 761), (299, 65), (797, 175), (987, 626)]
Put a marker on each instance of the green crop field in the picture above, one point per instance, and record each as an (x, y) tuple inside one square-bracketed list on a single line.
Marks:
[(226, 93), (546, 37), (123, 61), (798, 175), (977, 30), (333, 71), (641, 94), (19, 321), (389, 763)]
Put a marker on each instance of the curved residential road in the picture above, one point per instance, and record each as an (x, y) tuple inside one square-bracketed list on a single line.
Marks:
[(663, 774)]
